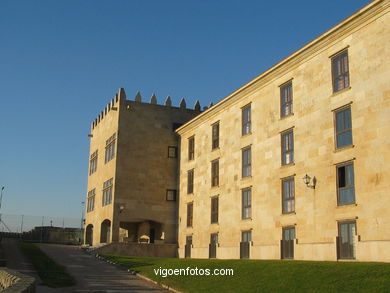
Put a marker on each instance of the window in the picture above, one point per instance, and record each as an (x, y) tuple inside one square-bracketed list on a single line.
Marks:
[(214, 210), (191, 148), (172, 152), (91, 200), (93, 162), (187, 247), (171, 195), (246, 204), (340, 72), (286, 100), (107, 192), (343, 127), (215, 173), (110, 148), (246, 162), (346, 241), (213, 245), (246, 120), (190, 181), (288, 236), (345, 184), (246, 238), (287, 147), (288, 195), (215, 136), (190, 215), (214, 238)]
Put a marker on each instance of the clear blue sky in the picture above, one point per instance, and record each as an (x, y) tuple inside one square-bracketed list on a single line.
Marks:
[(61, 62)]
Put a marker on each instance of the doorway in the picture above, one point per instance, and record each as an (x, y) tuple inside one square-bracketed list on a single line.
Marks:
[(287, 243)]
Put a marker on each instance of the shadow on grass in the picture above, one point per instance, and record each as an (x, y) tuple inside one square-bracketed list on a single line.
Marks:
[(51, 273)]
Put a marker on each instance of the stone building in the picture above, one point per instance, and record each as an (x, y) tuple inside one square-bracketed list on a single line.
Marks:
[(296, 163), (133, 167)]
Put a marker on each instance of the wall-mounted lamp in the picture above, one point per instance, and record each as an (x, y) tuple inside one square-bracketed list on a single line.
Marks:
[(121, 208), (307, 179)]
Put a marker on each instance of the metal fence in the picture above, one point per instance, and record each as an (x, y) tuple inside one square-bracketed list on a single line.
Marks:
[(42, 228)]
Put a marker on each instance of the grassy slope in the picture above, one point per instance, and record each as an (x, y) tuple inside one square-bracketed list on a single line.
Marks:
[(268, 276), (51, 273)]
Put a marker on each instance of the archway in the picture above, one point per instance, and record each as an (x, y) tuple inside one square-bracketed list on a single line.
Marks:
[(105, 231), (89, 235)]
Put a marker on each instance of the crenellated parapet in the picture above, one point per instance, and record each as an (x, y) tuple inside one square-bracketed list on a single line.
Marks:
[(120, 98)]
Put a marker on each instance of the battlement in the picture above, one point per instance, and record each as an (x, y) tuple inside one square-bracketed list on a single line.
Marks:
[(120, 99)]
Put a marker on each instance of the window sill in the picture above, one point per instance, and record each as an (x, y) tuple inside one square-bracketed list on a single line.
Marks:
[(288, 214), (215, 149), (288, 165), (340, 91), (245, 135), (214, 187), (249, 219), (344, 148), (285, 117), (246, 178), (347, 205), (216, 223)]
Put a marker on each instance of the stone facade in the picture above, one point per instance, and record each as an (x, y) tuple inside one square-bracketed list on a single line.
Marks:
[(131, 171), (347, 214)]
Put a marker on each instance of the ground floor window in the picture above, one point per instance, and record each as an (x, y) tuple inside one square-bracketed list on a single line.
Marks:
[(287, 243), (188, 246), (346, 241), (246, 239), (213, 245)]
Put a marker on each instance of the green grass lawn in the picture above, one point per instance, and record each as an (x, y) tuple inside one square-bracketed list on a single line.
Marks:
[(267, 275), (51, 273)]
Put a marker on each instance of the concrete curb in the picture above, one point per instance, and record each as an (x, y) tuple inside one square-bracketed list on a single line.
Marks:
[(157, 283)]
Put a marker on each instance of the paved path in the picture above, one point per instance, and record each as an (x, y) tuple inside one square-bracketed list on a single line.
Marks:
[(16, 260), (93, 275)]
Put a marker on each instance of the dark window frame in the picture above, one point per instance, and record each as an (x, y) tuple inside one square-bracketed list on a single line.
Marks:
[(214, 239), (174, 195), (287, 244), (175, 151), (246, 165), (286, 99), (347, 187), (246, 238), (287, 148), (289, 198), (246, 124), (215, 173), (191, 148), (215, 136), (342, 111), (107, 191), (91, 200), (190, 181), (214, 209), (339, 224), (341, 62), (246, 203), (190, 214), (110, 148), (93, 162)]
